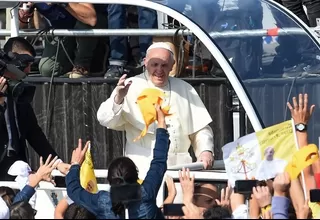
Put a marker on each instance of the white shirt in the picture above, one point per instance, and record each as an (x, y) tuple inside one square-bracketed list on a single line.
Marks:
[(188, 124), (269, 169), (6, 115), (241, 212), (4, 210)]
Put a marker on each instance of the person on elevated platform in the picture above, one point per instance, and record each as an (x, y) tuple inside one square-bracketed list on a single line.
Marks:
[(187, 121), (75, 55)]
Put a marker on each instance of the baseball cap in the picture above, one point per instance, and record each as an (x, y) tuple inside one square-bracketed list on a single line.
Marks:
[(19, 168)]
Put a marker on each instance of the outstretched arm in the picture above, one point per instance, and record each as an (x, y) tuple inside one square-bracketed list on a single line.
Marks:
[(158, 165), (202, 143), (83, 12)]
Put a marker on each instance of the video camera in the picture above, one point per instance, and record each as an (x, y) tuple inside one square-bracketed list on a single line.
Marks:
[(15, 64)]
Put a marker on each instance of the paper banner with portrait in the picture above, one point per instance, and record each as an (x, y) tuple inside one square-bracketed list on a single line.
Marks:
[(261, 155)]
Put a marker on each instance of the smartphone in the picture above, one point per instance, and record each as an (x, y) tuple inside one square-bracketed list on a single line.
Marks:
[(125, 193), (245, 186), (173, 210), (60, 181), (314, 195)]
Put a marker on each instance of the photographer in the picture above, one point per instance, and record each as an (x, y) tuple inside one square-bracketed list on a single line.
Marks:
[(18, 122)]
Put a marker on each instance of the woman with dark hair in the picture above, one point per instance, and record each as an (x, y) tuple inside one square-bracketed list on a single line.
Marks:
[(75, 211), (7, 194), (123, 171), (22, 210)]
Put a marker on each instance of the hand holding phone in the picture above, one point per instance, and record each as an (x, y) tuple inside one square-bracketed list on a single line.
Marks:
[(245, 186), (60, 181), (173, 210)]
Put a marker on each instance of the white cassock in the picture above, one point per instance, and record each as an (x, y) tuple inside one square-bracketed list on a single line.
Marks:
[(188, 124), (269, 169)]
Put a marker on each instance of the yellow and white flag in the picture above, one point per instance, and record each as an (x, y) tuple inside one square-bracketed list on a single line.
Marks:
[(260, 155), (88, 179)]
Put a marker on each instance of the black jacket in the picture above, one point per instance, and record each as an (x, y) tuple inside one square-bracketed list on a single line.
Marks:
[(29, 131)]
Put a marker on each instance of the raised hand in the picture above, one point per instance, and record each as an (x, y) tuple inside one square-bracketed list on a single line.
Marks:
[(63, 168), (160, 117), (172, 191), (78, 154), (262, 195), (191, 211), (225, 198), (122, 89), (281, 184), (300, 112), (44, 171), (187, 185), (207, 158), (3, 89)]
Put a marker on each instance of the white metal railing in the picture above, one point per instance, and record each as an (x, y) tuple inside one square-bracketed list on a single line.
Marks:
[(100, 32), (156, 32)]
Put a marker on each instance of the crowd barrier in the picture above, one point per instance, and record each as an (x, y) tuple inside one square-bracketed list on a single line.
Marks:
[(48, 195)]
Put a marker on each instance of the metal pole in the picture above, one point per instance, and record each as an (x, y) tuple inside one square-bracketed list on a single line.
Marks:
[(14, 22), (248, 207), (242, 121), (153, 32), (101, 32)]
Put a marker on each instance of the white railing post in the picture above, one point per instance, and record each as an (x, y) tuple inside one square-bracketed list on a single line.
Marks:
[(15, 22)]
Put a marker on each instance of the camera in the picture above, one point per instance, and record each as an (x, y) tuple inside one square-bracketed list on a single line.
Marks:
[(15, 64), (125, 193), (173, 210), (244, 187), (315, 195), (60, 181)]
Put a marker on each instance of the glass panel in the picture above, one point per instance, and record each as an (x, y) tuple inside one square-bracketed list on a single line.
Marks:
[(272, 54)]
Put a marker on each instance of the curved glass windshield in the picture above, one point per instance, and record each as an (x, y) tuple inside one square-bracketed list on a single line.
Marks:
[(272, 54)]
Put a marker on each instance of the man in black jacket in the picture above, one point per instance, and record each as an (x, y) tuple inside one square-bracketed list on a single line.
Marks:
[(18, 122)]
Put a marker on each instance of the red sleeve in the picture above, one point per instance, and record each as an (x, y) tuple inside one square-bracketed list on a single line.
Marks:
[(317, 177)]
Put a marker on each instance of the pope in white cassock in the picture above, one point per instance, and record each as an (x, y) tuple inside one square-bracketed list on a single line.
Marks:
[(187, 124), (270, 166)]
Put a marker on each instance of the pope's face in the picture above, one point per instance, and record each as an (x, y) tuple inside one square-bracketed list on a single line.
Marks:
[(269, 153), (159, 63)]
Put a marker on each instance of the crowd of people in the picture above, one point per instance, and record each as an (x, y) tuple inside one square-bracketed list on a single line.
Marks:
[(77, 57), (159, 147), (276, 198)]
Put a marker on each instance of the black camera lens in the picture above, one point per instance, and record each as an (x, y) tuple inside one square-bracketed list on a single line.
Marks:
[(20, 91)]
